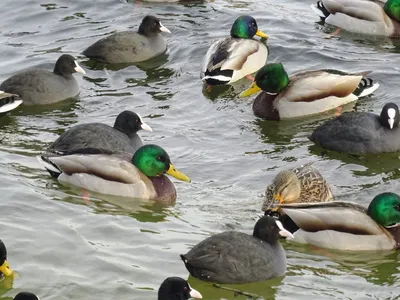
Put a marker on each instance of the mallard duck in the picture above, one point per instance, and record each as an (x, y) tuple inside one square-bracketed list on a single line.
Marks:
[(5, 269), (305, 93), (303, 184), (361, 132), (129, 46), (174, 288), (36, 86), (232, 58), (236, 257), (26, 296), (347, 225), (118, 174), (122, 137), (360, 16), (8, 102)]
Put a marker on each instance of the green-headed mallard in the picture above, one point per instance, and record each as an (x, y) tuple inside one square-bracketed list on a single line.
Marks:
[(305, 93), (122, 137), (361, 16), (174, 288), (303, 184), (5, 269), (118, 174), (129, 46), (361, 132), (347, 225), (8, 102), (232, 58)]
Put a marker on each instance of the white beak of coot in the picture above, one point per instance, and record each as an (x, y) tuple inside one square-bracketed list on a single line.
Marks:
[(164, 29), (146, 127), (195, 294), (283, 232), (79, 69)]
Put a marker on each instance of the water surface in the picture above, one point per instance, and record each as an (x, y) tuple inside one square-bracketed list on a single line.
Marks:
[(64, 248)]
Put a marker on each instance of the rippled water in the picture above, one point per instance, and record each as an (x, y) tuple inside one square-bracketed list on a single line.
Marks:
[(64, 248)]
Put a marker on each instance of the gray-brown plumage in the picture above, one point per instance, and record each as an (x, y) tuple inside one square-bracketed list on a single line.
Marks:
[(129, 46), (303, 184)]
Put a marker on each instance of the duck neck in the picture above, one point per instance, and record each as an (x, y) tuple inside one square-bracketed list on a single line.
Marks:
[(164, 188), (263, 107), (395, 232)]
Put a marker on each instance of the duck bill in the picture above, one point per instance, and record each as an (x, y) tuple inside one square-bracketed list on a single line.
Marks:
[(391, 123), (254, 88), (261, 34), (178, 175), (279, 198), (144, 126), (5, 269), (79, 69), (283, 232), (164, 29), (195, 294)]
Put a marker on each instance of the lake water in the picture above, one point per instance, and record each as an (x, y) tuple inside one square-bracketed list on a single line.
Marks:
[(64, 248)]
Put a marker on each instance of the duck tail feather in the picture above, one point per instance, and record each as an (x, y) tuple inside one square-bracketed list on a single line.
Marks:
[(320, 10), (366, 87)]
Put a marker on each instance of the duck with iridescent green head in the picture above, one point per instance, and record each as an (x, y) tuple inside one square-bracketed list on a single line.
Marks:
[(348, 225), (232, 58), (119, 174), (305, 93), (361, 16)]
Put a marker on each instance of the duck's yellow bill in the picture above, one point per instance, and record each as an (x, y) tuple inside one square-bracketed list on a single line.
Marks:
[(261, 34), (279, 198), (5, 269), (250, 91), (175, 173)]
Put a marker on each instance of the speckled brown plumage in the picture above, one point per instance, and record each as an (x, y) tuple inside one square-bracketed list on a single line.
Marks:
[(313, 187)]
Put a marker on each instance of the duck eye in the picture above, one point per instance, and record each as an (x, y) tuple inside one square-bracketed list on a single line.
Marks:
[(397, 207), (185, 289)]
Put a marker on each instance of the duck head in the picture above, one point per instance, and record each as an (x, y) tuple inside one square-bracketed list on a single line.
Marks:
[(151, 25), (177, 288), (66, 65), (269, 229), (392, 9), (272, 79), (4, 266), (245, 27), (390, 115), (152, 160), (129, 123)]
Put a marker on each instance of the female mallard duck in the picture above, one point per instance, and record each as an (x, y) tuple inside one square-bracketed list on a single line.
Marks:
[(346, 225), (361, 16), (361, 132), (304, 93), (129, 46), (8, 102), (303, 184), (5, 269), (232, 58), (101, 171)]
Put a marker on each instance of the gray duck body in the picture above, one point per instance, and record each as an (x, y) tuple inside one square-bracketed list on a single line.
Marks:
[(358, 133)]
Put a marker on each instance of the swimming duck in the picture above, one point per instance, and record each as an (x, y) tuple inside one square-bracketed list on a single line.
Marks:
[(44, 87), (8, 102), (5, 269), (302, 184), (305, 93), (26, 296), (129, 46), (176, 288), (118, 174), (347, 225), (360, 16), (361, 132), (122, 137), (236, 257), (232, 58)]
